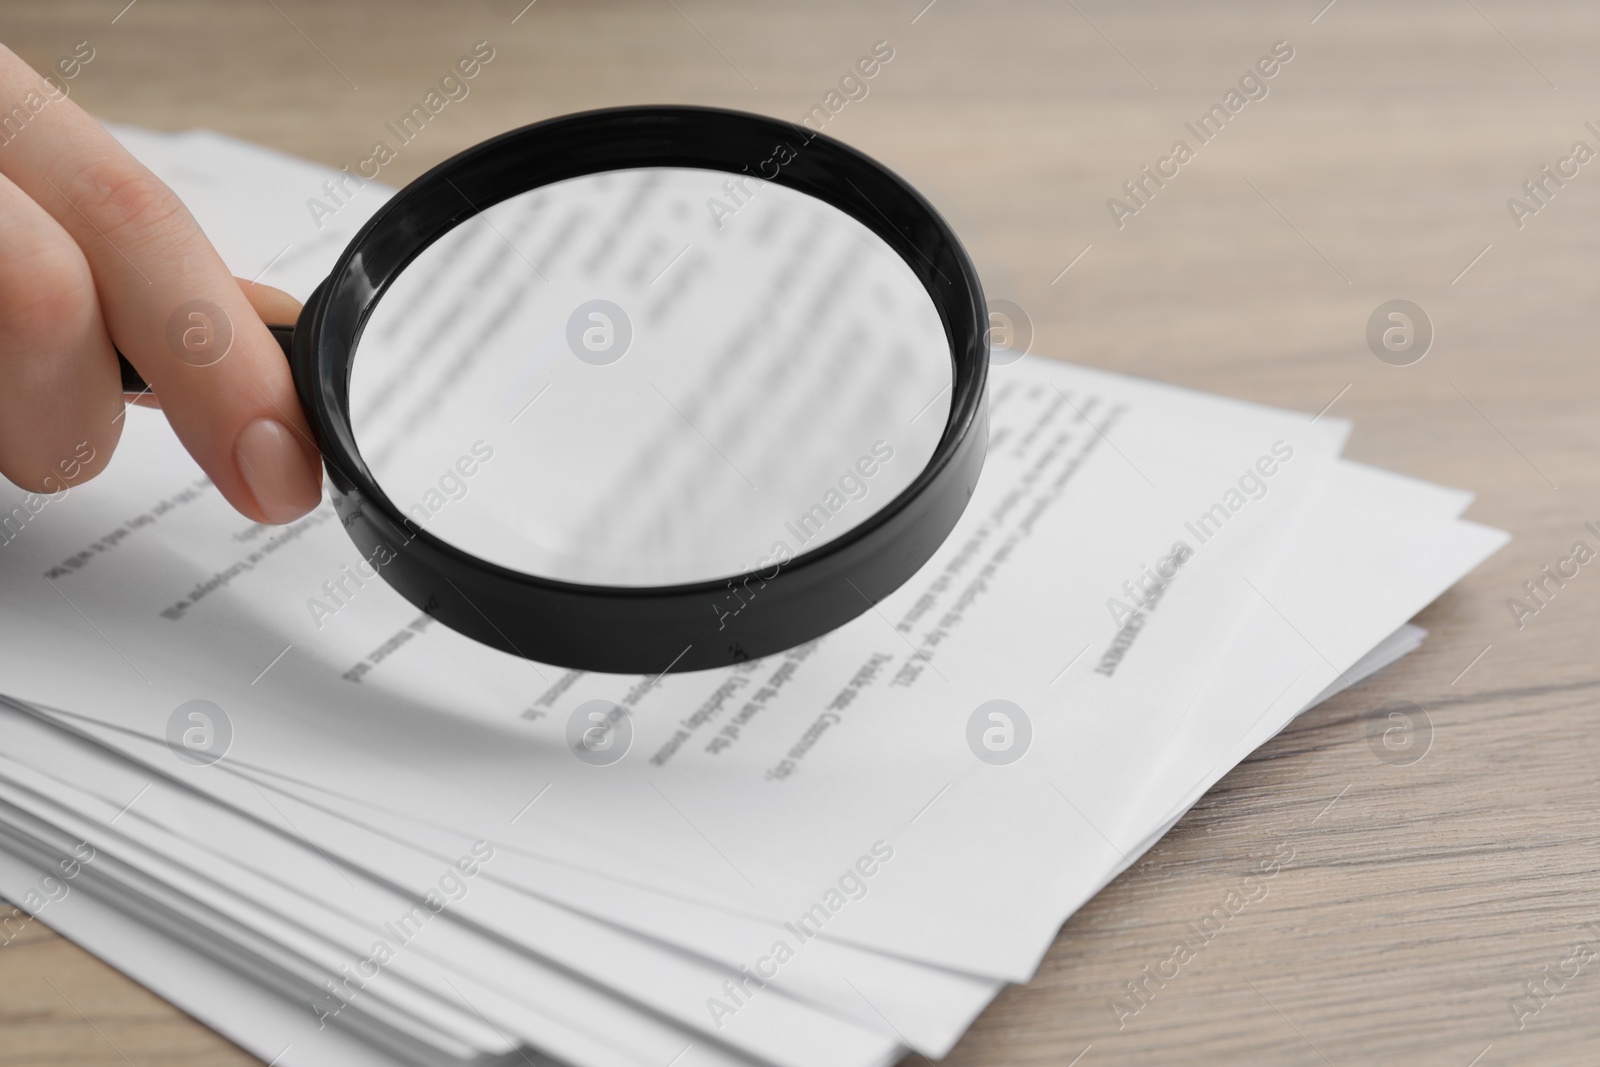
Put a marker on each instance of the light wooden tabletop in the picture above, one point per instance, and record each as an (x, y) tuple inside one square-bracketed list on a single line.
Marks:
[(1377, 167)]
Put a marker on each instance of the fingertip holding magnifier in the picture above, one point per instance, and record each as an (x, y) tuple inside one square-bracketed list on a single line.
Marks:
[(648, 389)]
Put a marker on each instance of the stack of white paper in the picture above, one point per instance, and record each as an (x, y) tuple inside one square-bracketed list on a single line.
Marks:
[(363, 839)]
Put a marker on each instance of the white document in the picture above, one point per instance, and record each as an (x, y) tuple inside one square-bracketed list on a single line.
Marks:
[(1092, 480), (1051, 437)]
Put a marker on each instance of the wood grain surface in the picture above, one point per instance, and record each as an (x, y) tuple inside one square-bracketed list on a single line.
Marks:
[(1421, 898)]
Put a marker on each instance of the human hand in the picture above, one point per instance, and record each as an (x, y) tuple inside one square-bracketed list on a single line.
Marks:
[(95, 251)]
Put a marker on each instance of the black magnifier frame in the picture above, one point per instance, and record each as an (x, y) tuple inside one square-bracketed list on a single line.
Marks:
[(649, 630)]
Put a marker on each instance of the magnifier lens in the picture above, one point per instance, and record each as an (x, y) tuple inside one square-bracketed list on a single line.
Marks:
[(650, 377)]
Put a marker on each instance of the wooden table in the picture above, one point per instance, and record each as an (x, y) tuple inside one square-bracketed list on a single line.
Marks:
[(1379, 165)]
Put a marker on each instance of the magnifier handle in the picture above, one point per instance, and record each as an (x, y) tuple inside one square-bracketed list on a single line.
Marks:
[(132, 382)]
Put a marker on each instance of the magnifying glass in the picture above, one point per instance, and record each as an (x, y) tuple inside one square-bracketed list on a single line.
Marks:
[(648, 389)]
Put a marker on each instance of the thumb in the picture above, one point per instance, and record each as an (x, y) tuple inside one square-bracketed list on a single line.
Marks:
[(275, 306)]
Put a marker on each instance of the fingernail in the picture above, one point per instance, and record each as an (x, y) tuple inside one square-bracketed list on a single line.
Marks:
[(274, 467)]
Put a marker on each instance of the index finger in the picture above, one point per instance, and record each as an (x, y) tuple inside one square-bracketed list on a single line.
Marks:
[(170, 304)]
